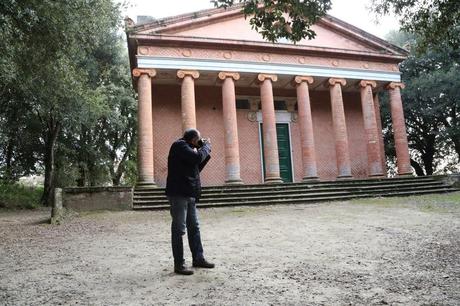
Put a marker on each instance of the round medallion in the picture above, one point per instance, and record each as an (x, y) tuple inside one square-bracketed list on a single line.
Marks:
[(228, 54), (335, 63), (143, 50), (266, 57), (187, 52), (301, 60), (252, 116)]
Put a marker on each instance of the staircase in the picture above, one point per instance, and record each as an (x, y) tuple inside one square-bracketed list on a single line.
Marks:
[(297, 193)]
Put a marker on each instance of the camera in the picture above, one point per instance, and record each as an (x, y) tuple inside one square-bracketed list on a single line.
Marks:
[(202, 141)]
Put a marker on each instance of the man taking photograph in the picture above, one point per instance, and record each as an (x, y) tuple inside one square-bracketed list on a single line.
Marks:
[(187, 157)]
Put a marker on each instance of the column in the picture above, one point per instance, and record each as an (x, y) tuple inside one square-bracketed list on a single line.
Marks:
[(306, 128), (145, 127), (188, 98), (272, 167), (340, 128), (399, 129), (374, 161), (232, 151), (378, 118)]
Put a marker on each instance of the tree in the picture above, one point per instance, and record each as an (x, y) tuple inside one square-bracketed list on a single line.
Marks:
[(55, 38), (432, 21), (290, 19)]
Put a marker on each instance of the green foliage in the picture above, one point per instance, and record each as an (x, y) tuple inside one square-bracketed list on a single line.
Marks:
[(434, 21), (13, 196), (290, 19), (62, 73)]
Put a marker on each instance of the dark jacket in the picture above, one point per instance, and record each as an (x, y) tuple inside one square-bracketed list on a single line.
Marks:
[(184, 166)]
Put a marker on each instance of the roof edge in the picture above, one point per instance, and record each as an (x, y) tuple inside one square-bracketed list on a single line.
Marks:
[(173, 40)]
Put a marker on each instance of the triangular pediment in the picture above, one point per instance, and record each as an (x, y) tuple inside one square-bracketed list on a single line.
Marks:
[(218, 24)]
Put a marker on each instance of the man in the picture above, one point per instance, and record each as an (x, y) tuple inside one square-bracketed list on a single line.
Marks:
[(187, 157)]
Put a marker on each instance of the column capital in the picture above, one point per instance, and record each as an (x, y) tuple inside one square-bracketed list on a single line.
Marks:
[(183, 73), (298, 79), (394, 85), (365, 83), (333, 81), (223, 75), (263, 76), (137, 72)]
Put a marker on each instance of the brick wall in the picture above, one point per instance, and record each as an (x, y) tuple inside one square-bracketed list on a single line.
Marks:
[(167, 128)]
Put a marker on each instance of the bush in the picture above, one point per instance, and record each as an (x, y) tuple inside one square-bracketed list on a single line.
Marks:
[(15, 196)]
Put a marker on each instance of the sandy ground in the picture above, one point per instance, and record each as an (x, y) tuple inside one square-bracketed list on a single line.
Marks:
[(398, 251)]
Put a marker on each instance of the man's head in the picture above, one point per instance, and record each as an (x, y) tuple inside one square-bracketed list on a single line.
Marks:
[(192, 136)]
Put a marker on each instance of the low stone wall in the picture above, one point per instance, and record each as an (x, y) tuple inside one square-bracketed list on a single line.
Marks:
[(77, 199), (452, 180)]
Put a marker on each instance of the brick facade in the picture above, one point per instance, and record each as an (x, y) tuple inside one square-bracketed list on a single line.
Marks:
[(167, 127)]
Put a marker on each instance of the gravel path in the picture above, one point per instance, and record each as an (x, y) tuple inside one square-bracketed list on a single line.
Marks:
[(398, 251)]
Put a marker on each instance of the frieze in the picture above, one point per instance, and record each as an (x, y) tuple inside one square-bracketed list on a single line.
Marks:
[(257, 57)]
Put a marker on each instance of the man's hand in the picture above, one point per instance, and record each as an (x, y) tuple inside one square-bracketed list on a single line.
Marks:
[(207, 141)]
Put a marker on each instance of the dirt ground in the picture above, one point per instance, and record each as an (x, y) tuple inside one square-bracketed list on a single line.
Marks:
[(397, 251)]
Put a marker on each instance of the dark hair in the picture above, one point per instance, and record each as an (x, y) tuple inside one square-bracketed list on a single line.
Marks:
[(190, 134)]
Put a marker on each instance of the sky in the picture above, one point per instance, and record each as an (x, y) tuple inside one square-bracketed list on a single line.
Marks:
[(354, 12)]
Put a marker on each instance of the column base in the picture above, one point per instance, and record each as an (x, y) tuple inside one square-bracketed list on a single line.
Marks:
[(273, 180), (344, 177), (377, 175), (146, 184), (409, 174), (234, 182), (310, 179)]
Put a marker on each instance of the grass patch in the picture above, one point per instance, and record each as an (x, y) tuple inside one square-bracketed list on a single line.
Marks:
[(441, 202), (15, 196)]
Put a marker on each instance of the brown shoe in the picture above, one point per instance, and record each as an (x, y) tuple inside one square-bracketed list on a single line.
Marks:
[(182, 270), (203, 263)]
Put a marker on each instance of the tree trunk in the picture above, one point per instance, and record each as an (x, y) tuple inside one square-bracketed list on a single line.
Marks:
[(9, 158), (116, 175), (82, 178), (456, 141), (428, 155), (53, 128), (417, 167)]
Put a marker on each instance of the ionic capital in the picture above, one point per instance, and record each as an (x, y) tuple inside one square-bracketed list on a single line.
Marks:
[(183, 73), (394, 85), (365, 83), (234, 75), (263, 76), (333, 81), (137, 72), (302, 78)]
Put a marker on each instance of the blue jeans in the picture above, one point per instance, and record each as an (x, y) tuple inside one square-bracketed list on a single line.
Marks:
[(184, 216)]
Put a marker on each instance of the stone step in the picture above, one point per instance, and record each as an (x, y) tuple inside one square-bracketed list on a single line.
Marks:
[(327, 183), (214, 189), (292, 189), (295, 197), (306, 200)]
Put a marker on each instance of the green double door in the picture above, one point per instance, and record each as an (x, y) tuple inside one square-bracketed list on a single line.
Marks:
[(284, 151)]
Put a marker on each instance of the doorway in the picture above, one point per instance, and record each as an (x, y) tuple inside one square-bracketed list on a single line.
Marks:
[(284, 151)]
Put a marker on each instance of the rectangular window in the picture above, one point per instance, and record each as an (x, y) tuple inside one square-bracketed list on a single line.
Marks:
[(242, 104)]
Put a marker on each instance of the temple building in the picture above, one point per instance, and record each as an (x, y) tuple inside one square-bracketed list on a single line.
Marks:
[(275, 113)]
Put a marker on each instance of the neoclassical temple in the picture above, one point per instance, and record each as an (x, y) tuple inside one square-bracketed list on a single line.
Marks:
[(274, 112)]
